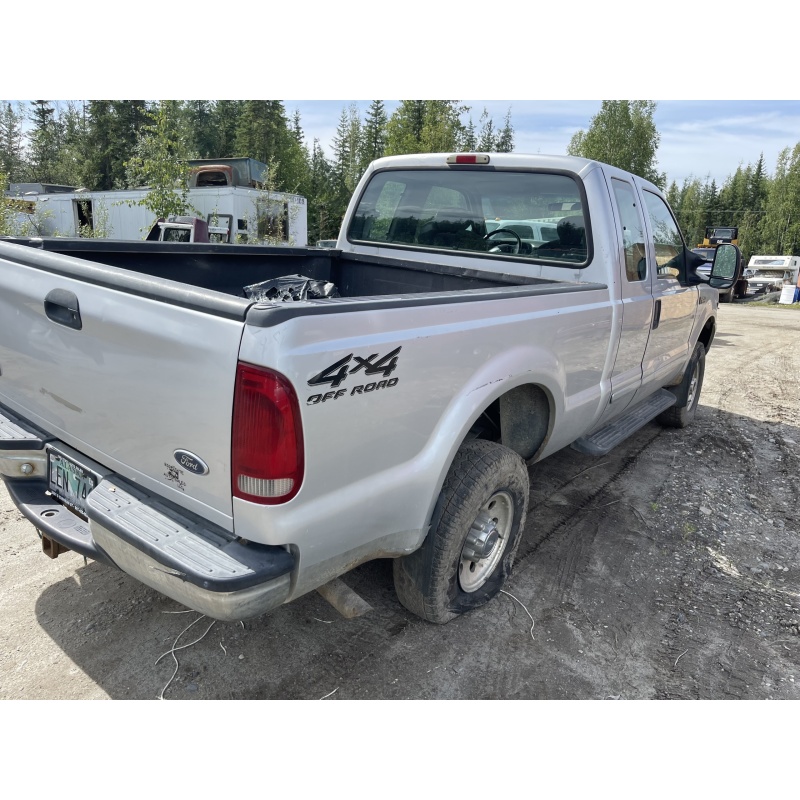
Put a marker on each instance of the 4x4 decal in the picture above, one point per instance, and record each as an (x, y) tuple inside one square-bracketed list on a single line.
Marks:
[(336, 373)]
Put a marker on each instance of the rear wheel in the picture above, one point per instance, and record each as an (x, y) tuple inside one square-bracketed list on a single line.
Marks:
[(468, 553), (687, 391)]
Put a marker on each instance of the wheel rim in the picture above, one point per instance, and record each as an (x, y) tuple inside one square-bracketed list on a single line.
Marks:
[(489, 531), (690, 397)]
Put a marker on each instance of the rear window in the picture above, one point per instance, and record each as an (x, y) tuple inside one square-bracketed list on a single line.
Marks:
[(532, 215)]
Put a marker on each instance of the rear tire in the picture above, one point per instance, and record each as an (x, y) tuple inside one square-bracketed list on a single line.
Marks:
[(484, 499), (687, 391)]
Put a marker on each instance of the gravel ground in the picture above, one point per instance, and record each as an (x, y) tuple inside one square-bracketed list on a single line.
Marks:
[(667, 569)]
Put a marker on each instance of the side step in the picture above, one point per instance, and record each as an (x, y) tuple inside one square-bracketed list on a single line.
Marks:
[(18, 435), (606, 439)]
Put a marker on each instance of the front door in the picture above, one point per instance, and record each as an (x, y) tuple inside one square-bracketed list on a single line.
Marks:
[(675, 304)]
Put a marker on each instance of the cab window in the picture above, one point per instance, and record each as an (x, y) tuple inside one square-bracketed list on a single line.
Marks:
[(531, 215)]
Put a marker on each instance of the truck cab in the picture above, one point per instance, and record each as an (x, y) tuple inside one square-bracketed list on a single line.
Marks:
[(188, 229)]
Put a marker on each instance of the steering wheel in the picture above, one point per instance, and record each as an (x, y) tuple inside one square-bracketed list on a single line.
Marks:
[(516, 245)]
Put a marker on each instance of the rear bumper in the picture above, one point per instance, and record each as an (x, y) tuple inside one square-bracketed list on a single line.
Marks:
[(169, 549)]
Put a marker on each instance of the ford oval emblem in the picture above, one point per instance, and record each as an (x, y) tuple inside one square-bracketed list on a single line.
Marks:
[(191, 462)]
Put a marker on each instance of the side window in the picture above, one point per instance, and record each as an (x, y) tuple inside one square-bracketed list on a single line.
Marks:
[(632, 231), (667, 239)]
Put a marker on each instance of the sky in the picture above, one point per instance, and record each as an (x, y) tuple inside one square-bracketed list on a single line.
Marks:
[(699, 139)]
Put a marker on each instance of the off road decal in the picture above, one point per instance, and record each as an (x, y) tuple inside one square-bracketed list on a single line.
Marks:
[(337, 373)]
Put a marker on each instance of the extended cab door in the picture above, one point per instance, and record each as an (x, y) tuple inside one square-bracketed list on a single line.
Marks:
[(636, 294), (674, 302)]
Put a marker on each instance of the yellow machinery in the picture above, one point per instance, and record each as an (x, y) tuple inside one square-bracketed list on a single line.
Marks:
[(715, 236)]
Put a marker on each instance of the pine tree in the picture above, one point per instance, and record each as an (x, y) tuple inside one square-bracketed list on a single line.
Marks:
[(12, 156), (780, 230), (404, 128), (505, 139), (323, 221), (101, 143), (486, 137), (199, 122), (71, 158), (44, 141), (470, 141), (263, 133), (224, 120), (373, 144)]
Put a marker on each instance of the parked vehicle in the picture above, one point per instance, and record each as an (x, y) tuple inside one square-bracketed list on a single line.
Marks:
[(187, 229), (771, 273), (236, 432)]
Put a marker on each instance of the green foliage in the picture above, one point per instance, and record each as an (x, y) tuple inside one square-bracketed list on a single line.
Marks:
[(101, 228), (112, 129), (7, 209), (373, 141), (12, 156), (780, 230), (159, 162), (624, 135), (15, 219), (45, 140), (271, 223), (425, 126), (263, 133)]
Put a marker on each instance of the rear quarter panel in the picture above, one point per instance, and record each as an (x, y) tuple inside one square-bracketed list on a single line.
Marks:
[(376, 457)]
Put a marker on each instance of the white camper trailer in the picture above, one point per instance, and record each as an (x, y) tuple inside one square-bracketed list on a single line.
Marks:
[(771, 273), (226, 193), (248, 214)]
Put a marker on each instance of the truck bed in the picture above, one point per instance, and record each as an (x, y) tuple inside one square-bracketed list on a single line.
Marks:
[(227, 269)]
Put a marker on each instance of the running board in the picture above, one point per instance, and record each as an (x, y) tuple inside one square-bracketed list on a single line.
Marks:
[(606, 439)]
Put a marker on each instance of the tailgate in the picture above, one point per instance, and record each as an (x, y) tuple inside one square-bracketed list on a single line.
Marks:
[(131, 379)]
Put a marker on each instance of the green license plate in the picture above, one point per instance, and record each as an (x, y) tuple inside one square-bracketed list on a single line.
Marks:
[(69, 482)]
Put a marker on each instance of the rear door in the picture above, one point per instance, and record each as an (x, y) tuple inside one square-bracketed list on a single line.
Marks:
[(128, 379), (635, 292)]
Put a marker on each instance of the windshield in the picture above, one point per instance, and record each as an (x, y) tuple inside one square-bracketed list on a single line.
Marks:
[(532, 215)]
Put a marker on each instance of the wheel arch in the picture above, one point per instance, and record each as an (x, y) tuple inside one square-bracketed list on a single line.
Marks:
[(708, 332), (515, 403)]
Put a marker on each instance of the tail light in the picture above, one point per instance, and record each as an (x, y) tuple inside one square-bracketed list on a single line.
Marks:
[(267, 443)]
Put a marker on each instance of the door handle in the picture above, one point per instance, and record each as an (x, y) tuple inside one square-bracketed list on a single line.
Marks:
[(62, 307), (657, 314)]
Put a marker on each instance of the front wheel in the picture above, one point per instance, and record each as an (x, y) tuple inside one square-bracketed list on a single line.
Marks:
[(687, 391), (468, 553)]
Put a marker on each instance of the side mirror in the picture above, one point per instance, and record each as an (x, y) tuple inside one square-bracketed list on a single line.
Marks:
[(726, 267)]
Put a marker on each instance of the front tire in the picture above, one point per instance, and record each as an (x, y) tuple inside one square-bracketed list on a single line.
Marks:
[(687, 391), (469, 551)]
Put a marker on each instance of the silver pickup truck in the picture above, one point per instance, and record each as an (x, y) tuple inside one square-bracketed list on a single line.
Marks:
[(238, 426)]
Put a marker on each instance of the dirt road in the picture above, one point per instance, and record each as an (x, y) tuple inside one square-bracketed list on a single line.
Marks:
[(668, 569)]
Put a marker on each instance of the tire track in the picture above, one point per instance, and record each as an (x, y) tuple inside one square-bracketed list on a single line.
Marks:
[(574, 537)]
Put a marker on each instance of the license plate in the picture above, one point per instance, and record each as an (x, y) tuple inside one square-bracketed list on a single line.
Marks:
[(70, 482)]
